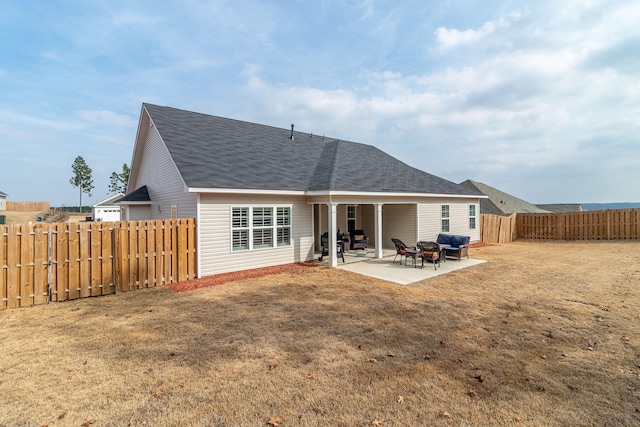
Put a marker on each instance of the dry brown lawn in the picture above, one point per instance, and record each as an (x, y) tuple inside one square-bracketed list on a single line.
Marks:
[(12, 217), (543, 334)]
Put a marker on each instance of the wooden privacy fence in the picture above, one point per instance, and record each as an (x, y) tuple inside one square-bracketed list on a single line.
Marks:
[(27, 206), (497, 228), (615, 224), (56, 262)]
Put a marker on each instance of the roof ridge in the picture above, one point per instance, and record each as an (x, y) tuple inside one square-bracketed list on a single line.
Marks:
[(326, 165)]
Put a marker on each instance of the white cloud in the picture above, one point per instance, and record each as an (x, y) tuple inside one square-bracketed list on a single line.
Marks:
[(450, 38)]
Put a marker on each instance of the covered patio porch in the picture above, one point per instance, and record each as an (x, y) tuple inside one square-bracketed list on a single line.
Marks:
[(384, 268), (380, 219)]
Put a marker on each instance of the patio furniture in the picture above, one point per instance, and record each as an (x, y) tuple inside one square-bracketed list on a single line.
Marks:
[(401, 248), (324, 241), (414, 254), (454, 246), (358, 239), (430, 251)]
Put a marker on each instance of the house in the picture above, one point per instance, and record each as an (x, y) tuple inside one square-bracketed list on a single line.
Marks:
[(263, 196), (107, 209), (499, 202), (3, 201), (561, 207)]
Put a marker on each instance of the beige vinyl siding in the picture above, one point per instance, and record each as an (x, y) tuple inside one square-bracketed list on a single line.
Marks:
[(366, 221), (429, 216), (139, 212), (166, 187), (321, 220), (399, 221), (216, 255), (460, 220)]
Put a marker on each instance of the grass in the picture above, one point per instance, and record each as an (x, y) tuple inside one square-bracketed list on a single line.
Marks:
[(543, 334)]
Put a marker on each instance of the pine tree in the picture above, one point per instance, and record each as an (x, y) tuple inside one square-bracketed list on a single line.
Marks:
[(82, 177), (118, 181)]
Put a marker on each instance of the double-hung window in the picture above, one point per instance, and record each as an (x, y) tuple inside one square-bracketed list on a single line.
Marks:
[(260, 227), (351, 218), (240, 229), (472, 217), (444, 217), (283, 231)]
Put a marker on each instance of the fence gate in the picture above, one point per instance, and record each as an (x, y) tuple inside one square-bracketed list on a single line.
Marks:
[(40, 263)]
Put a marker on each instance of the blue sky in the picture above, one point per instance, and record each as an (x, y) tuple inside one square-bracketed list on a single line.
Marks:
[(538, 99)]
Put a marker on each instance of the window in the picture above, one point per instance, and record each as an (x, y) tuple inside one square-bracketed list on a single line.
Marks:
[(351, 218), (240, 229), (257, 228), (445, 218), (284, 226), (472, 217)]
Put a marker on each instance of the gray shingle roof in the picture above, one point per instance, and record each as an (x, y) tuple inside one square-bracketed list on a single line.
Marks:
[(561, 207), (216, 152), (500, 202), (139, 195)]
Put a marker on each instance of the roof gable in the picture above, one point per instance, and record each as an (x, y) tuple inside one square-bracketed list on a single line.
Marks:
[(221, 153), (109, 201), (500, 202), (140, 195)]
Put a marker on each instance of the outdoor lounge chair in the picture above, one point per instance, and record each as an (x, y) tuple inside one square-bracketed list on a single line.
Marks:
[(359, 240), (324, 241), (401, 248), (430, 251)]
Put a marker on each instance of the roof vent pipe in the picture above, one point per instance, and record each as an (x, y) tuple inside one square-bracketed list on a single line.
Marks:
[(292, 131)]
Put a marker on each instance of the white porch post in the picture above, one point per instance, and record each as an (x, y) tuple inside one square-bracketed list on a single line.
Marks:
[(333, 231), (378, 218)]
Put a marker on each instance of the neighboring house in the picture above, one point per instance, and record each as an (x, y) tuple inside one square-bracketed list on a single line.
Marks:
[(561, 207), (499, 202), (3, 201), (107, 209), (263, 196)]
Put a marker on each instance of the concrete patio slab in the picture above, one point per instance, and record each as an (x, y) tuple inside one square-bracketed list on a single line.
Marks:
[(386, 269)]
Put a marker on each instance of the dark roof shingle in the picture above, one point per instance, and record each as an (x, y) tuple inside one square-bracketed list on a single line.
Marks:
[(216, 152)]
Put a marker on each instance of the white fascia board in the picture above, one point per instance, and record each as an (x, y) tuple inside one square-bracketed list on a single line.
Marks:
[(246, 191), (390, 194), (132, 203)]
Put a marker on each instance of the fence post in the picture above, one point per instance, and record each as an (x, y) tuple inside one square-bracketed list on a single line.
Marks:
[(49, 264)]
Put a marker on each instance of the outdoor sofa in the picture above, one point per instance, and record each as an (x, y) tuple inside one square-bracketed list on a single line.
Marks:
[(454, 246)]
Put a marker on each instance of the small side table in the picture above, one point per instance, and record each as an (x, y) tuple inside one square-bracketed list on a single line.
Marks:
[(413, 254)]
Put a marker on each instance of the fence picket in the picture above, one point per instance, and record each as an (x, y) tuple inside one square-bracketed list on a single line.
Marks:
[(3, 266), (61, 256), (39, 264), (95, 229), (74, 261), (143, 254), (12, 266)]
